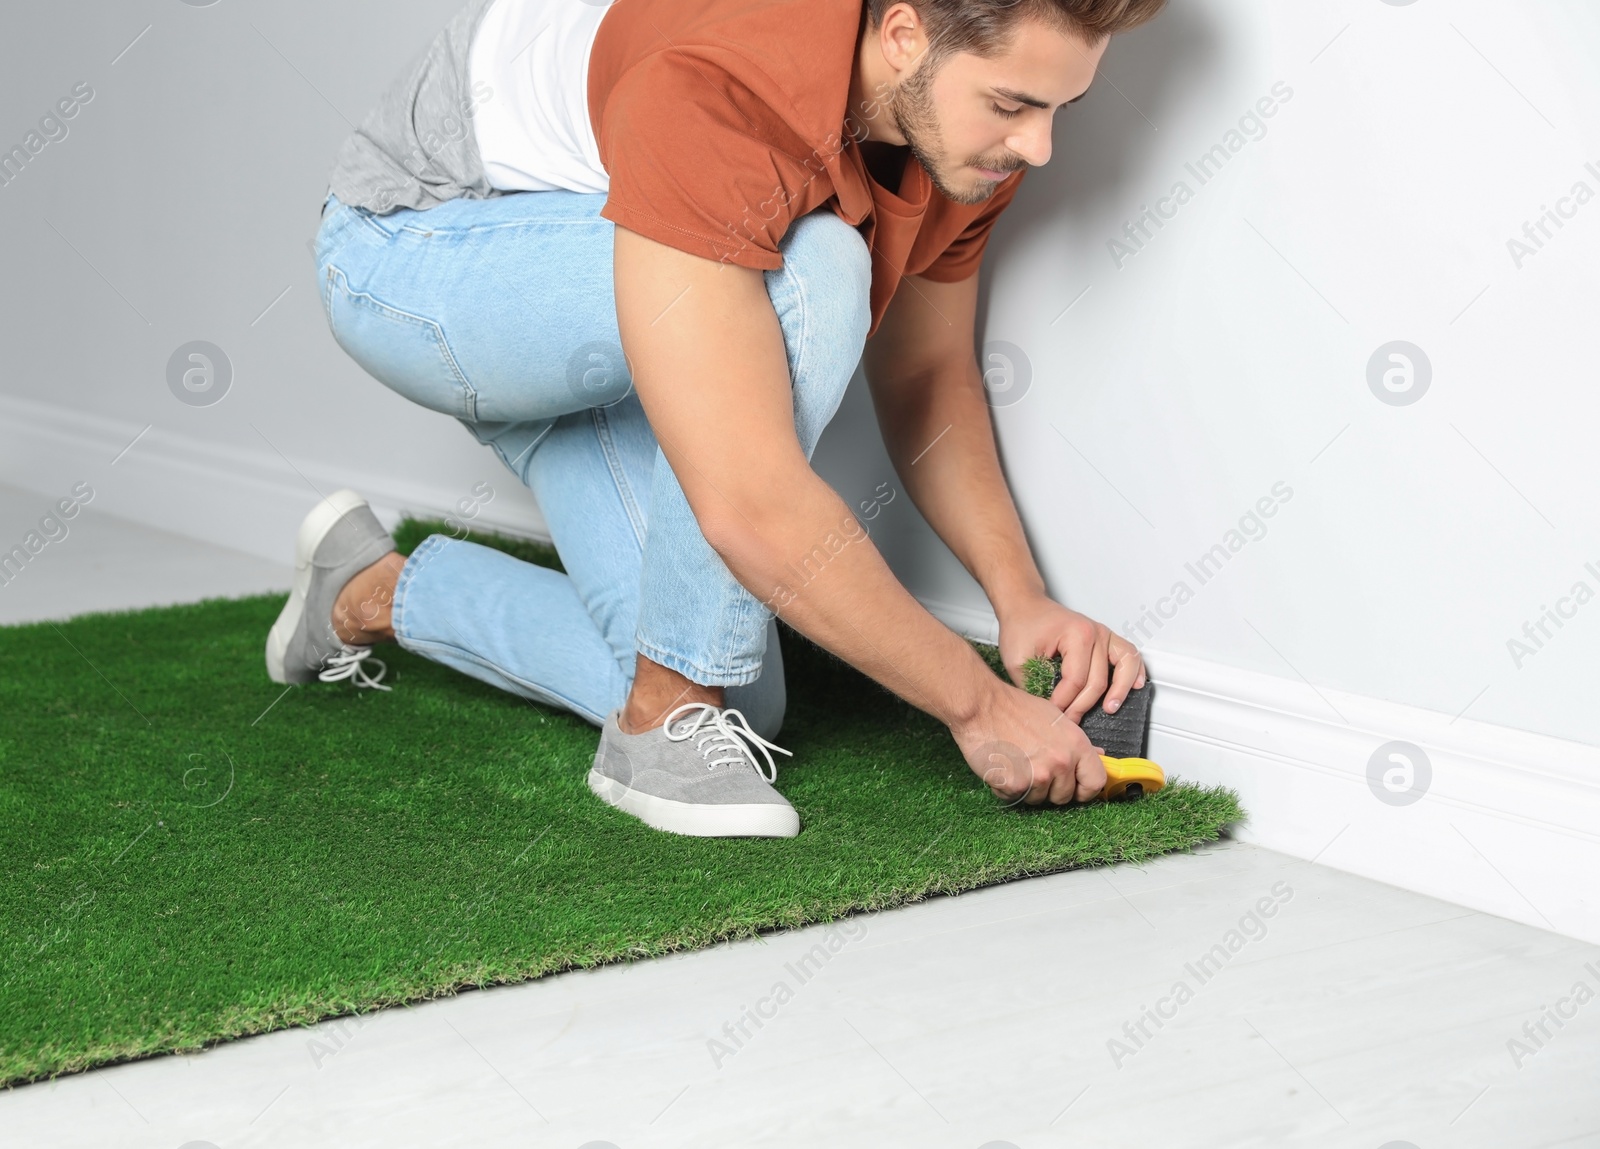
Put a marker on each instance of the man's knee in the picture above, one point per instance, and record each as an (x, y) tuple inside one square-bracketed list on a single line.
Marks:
[(832, 269), (823, 298)]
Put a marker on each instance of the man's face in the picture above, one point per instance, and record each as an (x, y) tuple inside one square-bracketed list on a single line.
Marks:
[(972, 120)]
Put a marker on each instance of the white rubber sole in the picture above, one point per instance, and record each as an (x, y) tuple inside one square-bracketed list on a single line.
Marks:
[(751, 820), (313, 529)]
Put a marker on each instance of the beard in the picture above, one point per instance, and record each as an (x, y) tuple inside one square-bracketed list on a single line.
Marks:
[(912, 108)]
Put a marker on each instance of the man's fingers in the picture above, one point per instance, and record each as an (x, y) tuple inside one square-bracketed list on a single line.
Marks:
[(1063, 786), (1075, 659), (1038, 784), (1076, 644), (1128, 669), (1066, 689), (1096, 670), (1091, 776)]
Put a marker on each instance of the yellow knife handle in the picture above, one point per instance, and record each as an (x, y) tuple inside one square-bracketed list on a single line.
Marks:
[(1131, 777)]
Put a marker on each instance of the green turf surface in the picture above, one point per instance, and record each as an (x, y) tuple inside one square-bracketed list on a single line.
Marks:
[(191, 853)]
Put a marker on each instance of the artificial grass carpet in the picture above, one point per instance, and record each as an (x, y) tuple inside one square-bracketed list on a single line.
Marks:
[(192, 853)]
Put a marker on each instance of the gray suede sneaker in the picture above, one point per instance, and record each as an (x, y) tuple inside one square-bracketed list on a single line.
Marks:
[(339, 538), (696, 773)]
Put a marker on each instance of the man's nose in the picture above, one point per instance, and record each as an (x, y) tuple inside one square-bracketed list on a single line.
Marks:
[(1032, 143)]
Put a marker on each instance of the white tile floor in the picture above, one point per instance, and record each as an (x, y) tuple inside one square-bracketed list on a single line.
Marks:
[(105, 563), (1359, 1016)]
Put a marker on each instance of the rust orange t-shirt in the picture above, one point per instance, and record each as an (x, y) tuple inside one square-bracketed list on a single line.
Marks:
[(720, 122)]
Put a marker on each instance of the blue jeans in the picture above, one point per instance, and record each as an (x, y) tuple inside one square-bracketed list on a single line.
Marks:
[(502, 314)]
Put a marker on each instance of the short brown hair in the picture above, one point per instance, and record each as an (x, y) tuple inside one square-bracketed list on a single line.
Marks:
[(985, 27)]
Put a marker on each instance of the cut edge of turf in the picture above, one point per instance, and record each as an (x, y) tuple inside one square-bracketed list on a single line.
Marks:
[(453, 982)]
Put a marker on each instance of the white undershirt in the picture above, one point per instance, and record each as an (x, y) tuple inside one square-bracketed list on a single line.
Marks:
[(534, 132)]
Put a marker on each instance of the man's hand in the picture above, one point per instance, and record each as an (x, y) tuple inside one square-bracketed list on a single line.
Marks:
[(1021, 748), (1090, 655)]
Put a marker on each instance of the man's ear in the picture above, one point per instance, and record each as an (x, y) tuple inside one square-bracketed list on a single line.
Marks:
[(901, 38)]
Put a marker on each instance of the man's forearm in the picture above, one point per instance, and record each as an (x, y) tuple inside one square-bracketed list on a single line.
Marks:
[(809, 560), (941, 441)]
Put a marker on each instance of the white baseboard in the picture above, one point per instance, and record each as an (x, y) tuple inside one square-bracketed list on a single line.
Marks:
[(249, 499), (1509, 825)]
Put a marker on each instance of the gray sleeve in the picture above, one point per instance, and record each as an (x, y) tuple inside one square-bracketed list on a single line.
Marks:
[(416, 147)]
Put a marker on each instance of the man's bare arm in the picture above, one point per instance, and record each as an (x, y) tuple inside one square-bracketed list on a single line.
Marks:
[(708, 361), (935, 422), (934, 415)]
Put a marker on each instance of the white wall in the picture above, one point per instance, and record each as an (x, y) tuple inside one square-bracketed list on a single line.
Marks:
[(1230, 351), (185, 196), (1225, 357)]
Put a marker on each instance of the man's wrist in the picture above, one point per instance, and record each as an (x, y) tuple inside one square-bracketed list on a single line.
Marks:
[(1015, 595), (972, 687)]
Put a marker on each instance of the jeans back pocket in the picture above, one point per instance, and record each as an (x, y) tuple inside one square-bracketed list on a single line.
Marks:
[(405, 352)]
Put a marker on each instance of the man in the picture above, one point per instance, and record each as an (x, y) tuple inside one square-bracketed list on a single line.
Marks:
[(747, 197)]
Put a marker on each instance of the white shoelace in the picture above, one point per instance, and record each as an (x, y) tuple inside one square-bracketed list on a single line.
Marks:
[(350, 663), (721, 736)]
